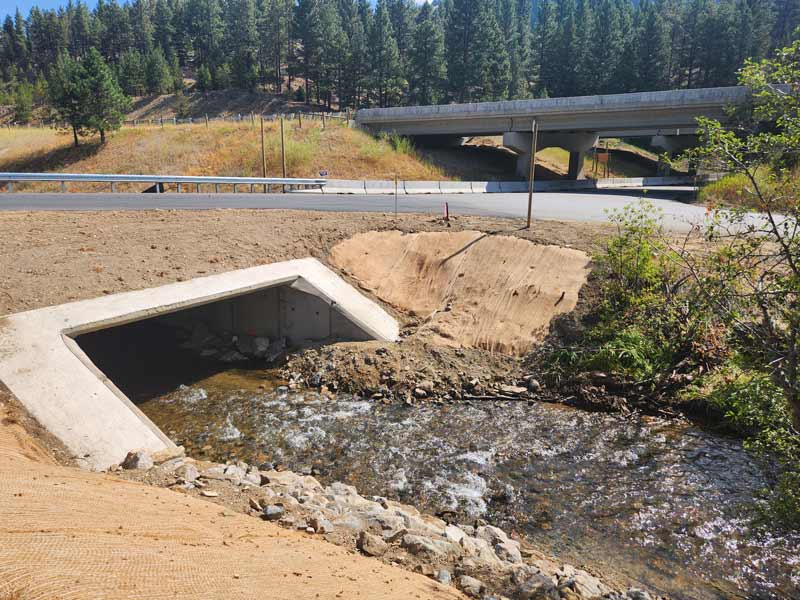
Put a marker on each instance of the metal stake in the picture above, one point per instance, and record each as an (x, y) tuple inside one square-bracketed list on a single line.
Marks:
[(534, 135)]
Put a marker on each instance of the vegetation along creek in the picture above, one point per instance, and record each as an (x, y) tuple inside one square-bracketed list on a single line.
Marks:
[(659, 503)]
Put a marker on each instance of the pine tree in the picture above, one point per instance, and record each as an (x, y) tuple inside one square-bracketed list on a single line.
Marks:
[(490, 56), (652, 48), (308, 30), (461, 36), (427, 66), (68, 87), (105, 104), (387, 79), (23, 103), (164, 27), (204, 81), (545, 32), (157, 76), (131, 73)]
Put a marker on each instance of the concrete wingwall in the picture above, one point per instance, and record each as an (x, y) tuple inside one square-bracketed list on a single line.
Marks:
[(43, 365)]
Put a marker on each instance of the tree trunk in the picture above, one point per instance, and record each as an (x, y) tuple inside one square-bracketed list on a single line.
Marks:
[(102, 136), (75, 135)]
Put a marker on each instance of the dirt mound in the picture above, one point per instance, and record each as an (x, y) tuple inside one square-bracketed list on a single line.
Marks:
[(66, 533), (468, 288)]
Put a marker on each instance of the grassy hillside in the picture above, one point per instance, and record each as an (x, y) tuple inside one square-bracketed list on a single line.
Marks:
[(221, 149)]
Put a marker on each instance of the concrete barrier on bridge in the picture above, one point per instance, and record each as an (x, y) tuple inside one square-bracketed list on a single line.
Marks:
[(382, 187), (455, 187), (344, 186), (422, 187)]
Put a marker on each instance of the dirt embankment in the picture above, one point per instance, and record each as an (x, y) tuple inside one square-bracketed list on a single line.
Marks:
[(468, 289)]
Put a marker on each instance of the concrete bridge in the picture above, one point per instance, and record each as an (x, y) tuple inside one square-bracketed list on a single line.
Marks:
[(575, 124)]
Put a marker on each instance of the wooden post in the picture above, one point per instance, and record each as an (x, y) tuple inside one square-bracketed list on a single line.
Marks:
[(206, 121), (534, 135), (299, 121), (323, 121), (283, 152), (263, 154)]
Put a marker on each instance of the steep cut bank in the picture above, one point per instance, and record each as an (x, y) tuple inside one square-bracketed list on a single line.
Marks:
[(468, 288)]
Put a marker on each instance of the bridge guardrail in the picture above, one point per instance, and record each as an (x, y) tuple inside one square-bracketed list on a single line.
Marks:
[(160, 180)]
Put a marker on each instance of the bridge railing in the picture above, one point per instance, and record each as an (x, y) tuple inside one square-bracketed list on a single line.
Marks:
[(159, 182)]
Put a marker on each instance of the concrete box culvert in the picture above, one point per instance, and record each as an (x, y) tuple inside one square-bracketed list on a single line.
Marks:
[(46, 355)]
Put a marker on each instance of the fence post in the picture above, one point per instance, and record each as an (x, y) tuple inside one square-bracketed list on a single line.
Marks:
[(263, 155), (283, 153), (206, 121), (63, 187)]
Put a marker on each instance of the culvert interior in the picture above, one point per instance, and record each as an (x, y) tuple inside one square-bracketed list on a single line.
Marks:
[(152, 356)]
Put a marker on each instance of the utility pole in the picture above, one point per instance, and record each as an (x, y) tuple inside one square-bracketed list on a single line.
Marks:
[(263, 154), (534, 135)]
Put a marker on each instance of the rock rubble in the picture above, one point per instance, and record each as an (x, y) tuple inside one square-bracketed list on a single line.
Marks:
[(482, 560)]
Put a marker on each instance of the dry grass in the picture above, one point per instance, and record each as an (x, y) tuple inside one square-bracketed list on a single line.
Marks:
[(225, 149)]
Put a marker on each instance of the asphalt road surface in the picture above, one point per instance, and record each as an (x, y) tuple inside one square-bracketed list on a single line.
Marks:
[(565, 206)]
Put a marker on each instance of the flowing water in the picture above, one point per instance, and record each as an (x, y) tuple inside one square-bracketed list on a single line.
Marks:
[(659, 504)]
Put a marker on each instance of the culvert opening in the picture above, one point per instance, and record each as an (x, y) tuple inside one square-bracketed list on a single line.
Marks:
[(154, 355)]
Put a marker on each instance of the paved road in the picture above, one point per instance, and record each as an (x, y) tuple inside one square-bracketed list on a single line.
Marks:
[(567, 206)]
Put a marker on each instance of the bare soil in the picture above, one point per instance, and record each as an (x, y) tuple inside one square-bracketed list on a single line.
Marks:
[(468, 288), (55, 257)]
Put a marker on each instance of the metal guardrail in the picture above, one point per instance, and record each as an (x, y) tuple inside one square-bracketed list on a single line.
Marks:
[(159, 180)]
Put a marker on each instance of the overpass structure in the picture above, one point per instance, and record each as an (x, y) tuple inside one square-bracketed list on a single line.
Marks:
[(574, 123)]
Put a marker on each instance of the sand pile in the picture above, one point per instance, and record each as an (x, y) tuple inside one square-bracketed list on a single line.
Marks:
[(469, 288)]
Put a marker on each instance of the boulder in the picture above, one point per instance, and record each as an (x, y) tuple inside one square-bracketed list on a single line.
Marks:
[(508, 551), (273, 512), (443, 576), (138, 459), (471, 586), (537, 587), (418, 544), (188, 472), (371, 545), (320, 524)]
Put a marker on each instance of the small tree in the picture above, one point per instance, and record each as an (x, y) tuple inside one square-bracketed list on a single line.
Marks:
[(23, 103), (68, 93), (204, 81), (105, 103), (158, 78)]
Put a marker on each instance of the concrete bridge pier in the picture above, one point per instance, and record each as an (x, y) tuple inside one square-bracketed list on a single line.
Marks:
[(673, 145), (576, 143)]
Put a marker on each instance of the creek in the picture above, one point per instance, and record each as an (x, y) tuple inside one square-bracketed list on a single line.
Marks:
[(659, 504)]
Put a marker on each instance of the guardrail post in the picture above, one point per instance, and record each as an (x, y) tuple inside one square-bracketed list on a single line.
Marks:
[(10, 187), (198, 187), (252, 188), (63, 186), (178, 187), (235, 185), (216, 188), (113, 187)]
